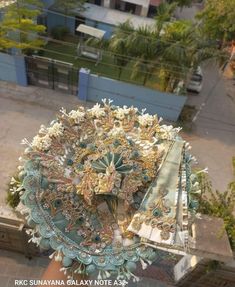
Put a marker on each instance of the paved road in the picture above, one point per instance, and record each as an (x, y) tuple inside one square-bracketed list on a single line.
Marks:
[(213, 138), (22, 111)]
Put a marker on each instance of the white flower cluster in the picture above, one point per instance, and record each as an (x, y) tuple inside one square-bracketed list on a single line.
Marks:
[(97, 111), (169, 132), (116, 132), (43, 140), (77, 116), (56, 130), (43, 129), (146, 119), (41, 143), (121, 112)]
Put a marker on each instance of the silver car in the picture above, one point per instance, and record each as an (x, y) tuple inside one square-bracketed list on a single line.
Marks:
[(195, 83)]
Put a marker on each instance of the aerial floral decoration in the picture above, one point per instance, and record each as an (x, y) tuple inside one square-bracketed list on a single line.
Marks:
[(86, 176)]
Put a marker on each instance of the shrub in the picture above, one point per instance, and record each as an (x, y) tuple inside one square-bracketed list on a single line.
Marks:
[(59, 32), (219, 204)]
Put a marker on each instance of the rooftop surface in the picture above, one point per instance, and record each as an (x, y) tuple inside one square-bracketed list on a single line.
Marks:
[(113, 17)]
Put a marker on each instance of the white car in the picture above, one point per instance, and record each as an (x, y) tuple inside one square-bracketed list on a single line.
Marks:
[(195, 83)]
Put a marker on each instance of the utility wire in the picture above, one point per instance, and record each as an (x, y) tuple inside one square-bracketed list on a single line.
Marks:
[(153, 62), (104, 63), (125, 32), (74, 68)]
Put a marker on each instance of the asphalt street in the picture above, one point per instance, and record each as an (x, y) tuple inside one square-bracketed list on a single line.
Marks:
[(213, 136)]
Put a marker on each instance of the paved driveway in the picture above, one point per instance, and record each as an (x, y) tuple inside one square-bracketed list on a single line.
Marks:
[(213, 138)]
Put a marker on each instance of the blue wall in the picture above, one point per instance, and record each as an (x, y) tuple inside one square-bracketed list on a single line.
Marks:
[(13, 69), (55, 20), (94, 88)]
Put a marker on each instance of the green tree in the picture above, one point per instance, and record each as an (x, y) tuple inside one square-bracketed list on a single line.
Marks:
[(164, 15), (19, 28), (217, 20), (219, 204), (169, 51), (179, 45), (185, 48), (144, 46), (118, 44), (67, 6)]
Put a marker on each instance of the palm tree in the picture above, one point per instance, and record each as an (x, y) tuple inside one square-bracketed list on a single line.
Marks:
[(164, 15), (144, 46), (119, 44)]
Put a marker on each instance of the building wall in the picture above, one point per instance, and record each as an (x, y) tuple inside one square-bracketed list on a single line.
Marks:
[(13, 69), (94, 88), (55, 20)]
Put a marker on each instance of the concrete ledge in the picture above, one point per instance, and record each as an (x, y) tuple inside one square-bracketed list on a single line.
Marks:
[(210, 240)]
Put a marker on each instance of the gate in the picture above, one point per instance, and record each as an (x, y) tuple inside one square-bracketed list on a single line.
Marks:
[(52, 74)]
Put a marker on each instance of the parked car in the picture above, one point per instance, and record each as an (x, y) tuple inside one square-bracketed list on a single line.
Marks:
[(195, 82)]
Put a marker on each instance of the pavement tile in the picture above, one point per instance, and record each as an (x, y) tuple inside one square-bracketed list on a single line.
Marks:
[(3, 267), (24, 271), (12, 269), (4, 280)]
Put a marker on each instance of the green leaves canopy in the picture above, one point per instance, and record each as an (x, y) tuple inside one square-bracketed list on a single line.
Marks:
[(217, 19), (19, 28)]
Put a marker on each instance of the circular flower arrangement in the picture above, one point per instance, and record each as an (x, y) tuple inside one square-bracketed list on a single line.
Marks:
[(85, 176)]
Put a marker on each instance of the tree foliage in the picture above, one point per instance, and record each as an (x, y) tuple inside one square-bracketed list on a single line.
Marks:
[(19, 28), (217, 19), (164, 14), (168, 53), (66, 6), (219, 204)]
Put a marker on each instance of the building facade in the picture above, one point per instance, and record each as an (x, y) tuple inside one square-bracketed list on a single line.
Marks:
[(145, 8)]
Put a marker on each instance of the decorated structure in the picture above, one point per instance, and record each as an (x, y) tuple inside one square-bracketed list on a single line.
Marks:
[(106, 188)]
